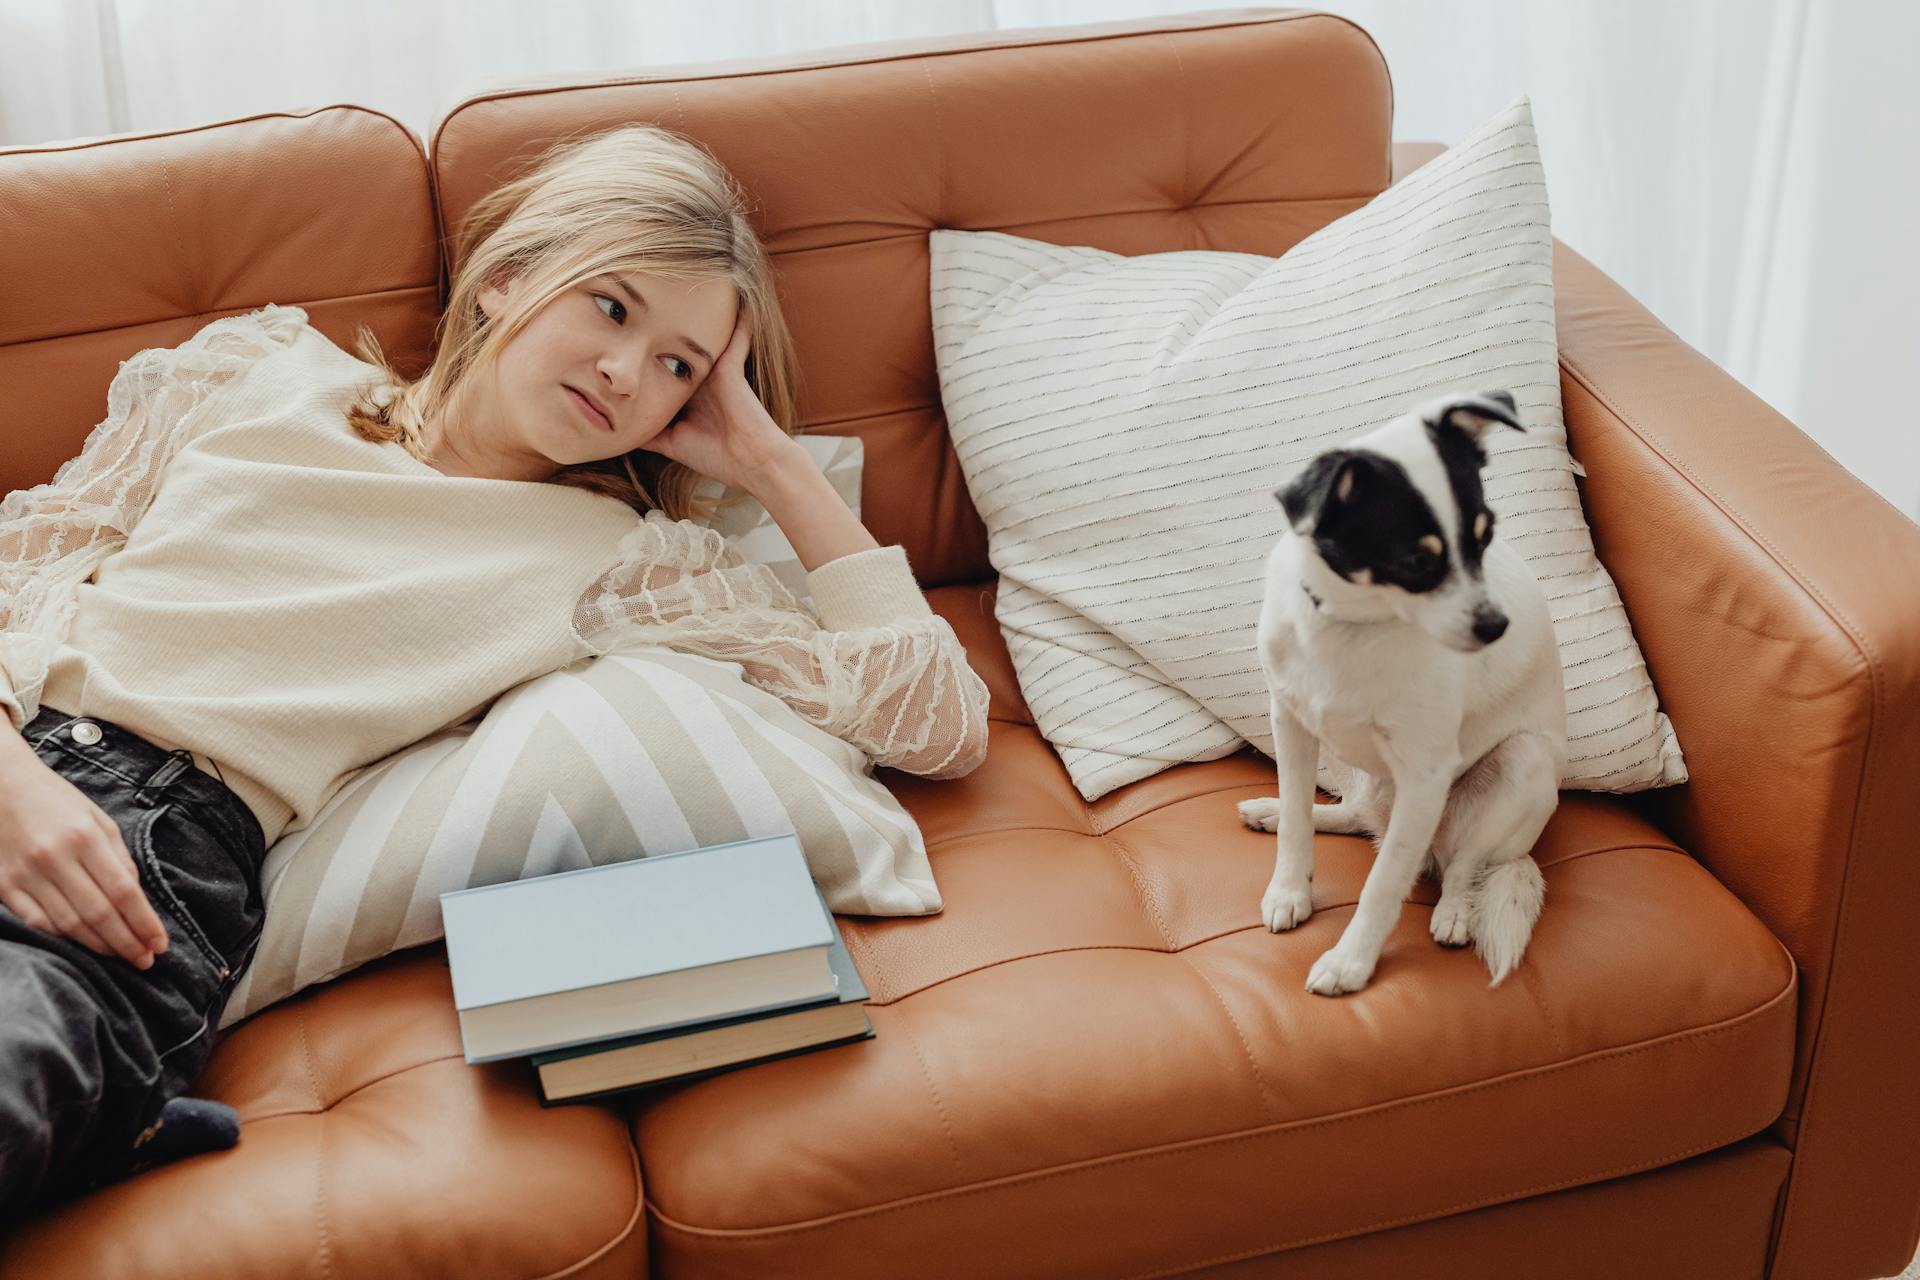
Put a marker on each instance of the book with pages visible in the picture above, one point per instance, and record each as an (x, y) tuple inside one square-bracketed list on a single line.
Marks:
[(635, 947), (683, 1054)]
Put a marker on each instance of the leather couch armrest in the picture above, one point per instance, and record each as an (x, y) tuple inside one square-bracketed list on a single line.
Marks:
[(1777, 601)]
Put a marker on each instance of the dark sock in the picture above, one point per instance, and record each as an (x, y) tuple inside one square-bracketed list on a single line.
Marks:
[(185, 1127)]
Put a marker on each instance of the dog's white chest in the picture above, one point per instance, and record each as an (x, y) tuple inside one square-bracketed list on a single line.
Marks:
[(1352, 734), (1345, 720)]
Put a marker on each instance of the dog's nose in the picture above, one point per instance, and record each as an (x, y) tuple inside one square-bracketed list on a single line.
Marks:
[(1489, 626)]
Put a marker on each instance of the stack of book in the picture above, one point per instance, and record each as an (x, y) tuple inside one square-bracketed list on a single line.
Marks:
[(659, 969)]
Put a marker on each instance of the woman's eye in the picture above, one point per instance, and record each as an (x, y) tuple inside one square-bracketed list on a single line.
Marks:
[(601, 297), (683, 371)]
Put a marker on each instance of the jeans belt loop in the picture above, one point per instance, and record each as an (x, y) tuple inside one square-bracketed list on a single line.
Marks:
[(178, 761)]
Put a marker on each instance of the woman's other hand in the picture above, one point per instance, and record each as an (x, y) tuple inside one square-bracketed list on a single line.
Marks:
[(63, 866)]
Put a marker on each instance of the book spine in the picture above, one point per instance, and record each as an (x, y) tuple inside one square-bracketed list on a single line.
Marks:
[(702, 1074)]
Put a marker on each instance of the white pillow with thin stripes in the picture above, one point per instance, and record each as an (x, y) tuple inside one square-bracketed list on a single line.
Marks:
[(638, 752), (1122, 423)]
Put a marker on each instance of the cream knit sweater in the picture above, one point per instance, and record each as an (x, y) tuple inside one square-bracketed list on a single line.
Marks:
[(228, 568)]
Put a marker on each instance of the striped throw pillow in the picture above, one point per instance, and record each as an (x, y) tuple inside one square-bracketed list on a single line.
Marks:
[(637, 752), (1122, 423)]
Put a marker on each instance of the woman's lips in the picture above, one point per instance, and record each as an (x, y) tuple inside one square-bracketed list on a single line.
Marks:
[(586, 406)]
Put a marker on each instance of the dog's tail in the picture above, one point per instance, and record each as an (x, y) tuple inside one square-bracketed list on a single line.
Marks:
[(1504, 910)]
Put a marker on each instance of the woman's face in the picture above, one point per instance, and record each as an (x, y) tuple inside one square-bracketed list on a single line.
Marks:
[(635, 343)]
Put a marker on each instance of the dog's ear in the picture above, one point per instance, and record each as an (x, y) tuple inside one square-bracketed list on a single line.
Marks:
[(1333, 477), (1473, 414)]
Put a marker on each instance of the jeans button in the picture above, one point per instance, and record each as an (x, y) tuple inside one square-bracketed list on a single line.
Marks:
[(86, 733)]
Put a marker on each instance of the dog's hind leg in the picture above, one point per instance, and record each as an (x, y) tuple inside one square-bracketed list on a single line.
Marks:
[(1361, 810), (1491, 890), (1461, 844)]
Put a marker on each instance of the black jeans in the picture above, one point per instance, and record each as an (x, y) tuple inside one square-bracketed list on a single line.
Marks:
[(90, 1047)]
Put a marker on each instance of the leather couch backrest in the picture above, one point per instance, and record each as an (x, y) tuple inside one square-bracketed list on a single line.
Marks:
[(1243, 130), (112, 245)]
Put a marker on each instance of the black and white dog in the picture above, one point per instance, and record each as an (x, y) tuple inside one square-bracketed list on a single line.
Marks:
[(1384, 602)]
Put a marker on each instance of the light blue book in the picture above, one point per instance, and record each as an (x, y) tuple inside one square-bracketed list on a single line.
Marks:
[(637, 946)]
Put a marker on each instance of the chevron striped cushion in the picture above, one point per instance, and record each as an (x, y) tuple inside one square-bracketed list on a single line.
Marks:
[(639, 752), (1122, 423)]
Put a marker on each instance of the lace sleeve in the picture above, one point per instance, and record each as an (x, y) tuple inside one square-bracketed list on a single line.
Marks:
[(901, 691), (55, 535)]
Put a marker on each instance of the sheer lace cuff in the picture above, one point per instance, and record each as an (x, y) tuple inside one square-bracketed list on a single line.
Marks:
[(901, 690), (867, 589)]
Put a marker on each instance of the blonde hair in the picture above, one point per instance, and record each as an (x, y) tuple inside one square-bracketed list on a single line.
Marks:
[(637, 198)]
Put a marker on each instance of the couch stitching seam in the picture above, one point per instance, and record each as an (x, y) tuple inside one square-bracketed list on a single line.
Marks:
[(1186, 124), (939, 147), (540, 90), (1203, 795), (1140, 888), (1531, 979), (1266, 1093), (324, 1107), (1430, 1215), (946, 1125), (1176, 948), (320, 1150), (213, 313), (639, 1206), (1685, 1039), (1198, 795), (920, 235), (179, 241)]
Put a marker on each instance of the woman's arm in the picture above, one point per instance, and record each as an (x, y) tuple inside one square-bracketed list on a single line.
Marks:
[(804, 503), (64, 867), (876, 666)]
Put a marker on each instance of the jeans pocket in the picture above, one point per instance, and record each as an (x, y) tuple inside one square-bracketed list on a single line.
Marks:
[(198, 883)]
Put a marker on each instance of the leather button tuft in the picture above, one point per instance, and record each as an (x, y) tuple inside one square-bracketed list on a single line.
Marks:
[(86, 733)]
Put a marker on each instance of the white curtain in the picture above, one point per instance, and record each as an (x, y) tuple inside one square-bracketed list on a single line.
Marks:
[(1749, 169)]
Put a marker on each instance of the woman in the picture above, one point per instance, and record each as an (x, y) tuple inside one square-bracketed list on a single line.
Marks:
[(274, 564)]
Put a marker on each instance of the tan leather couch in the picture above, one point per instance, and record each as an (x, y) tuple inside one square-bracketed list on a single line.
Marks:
[(1096, 1062)]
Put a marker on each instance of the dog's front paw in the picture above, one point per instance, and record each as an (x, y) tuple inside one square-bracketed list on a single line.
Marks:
[(1286, 904), (1452, 921), (1338, 972), (1262, 814)]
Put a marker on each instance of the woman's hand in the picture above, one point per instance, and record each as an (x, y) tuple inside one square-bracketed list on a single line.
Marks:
[(724, 432), (64, 869)]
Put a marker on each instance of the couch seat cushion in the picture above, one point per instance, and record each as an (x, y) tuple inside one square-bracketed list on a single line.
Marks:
[(368, 1149), (1097, 1061)]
